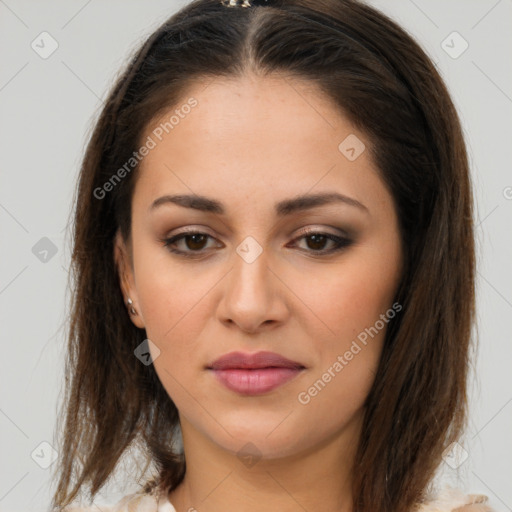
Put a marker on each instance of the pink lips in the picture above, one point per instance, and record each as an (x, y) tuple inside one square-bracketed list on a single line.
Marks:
[(254, 374)]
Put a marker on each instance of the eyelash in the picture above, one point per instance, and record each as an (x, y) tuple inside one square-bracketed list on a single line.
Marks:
[(341, 243)]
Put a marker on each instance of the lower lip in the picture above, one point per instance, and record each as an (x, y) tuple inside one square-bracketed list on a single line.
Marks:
[(257, 381)]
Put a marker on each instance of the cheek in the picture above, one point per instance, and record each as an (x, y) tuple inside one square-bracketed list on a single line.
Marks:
[(170, 302), (347, 298), (174, 320), (354, 303), (350, 302)]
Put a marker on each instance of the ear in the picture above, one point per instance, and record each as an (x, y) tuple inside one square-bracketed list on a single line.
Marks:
[(124, 268)]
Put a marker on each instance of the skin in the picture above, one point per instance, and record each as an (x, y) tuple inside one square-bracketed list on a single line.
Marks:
[(250, 143)]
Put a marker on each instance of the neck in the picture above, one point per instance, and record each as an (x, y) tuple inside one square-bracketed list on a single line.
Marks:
[(218, 480)]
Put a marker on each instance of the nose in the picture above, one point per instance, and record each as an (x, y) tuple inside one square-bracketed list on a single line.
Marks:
[(253, 296)]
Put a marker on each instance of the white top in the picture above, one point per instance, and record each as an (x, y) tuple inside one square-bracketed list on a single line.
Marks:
[(447, 500), (155, 501)]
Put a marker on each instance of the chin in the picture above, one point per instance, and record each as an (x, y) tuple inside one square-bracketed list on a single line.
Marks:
[(267, 437)]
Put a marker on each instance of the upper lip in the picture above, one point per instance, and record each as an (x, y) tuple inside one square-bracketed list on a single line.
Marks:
[(235, 360)]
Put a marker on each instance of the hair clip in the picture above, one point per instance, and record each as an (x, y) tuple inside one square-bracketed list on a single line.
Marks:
[(245, 3), (236, 3)]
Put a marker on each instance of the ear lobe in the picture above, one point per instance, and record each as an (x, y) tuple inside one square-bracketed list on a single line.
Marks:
[(124, 270)]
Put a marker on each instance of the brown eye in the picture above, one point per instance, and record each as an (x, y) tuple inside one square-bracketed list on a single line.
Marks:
[(195, 241), (192, 242), (316, 242)]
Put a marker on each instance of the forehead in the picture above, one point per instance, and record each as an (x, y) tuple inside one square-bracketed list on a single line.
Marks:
[(268, 105), (246, 113), (254, 138)]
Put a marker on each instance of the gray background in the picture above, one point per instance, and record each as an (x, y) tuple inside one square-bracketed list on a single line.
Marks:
[(47, 106)]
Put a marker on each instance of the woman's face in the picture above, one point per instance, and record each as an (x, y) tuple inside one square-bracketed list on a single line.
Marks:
[(242, 152)]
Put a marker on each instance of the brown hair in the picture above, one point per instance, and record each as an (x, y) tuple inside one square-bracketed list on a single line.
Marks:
[(388, 88)]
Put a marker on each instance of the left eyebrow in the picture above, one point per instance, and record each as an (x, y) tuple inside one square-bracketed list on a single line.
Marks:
[(306, 202), (282, 208)]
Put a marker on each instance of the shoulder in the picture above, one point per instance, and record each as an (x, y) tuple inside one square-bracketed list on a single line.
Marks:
[(451, 499), (134, 502)]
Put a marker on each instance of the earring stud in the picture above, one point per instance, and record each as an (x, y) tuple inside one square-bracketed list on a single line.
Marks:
[(129, 302)]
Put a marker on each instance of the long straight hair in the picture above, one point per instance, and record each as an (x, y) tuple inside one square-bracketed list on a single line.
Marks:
[(385, 84)]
